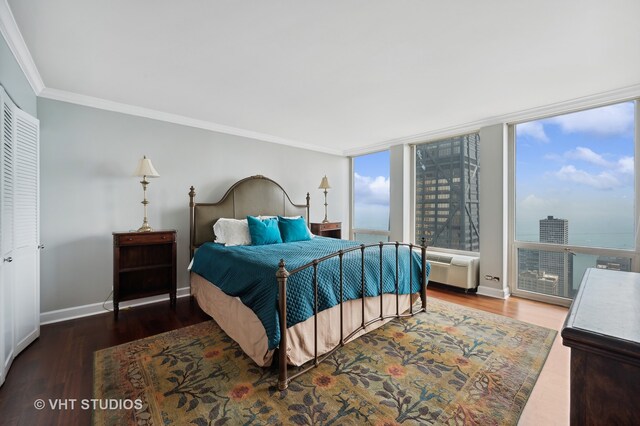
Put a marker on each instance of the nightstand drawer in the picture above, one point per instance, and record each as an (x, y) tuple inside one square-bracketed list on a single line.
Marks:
[(132, 239), (327, 229), (329, 226)]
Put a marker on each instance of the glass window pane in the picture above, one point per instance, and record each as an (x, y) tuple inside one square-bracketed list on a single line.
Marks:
[(368, 238), (447, 193), (575, 178), (559, 273), (371, 191)]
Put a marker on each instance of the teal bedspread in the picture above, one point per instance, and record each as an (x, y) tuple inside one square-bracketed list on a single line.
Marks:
[(249, 272)]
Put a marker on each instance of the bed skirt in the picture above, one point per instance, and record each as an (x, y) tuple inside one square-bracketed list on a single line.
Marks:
[(243, 326)]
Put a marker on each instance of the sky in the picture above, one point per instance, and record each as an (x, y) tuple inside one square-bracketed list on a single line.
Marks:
[(579, 167), (371, 191)]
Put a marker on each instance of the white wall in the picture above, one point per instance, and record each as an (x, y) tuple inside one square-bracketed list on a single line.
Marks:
[(400, 193), (88, 191), (493, 211), (493, 206)]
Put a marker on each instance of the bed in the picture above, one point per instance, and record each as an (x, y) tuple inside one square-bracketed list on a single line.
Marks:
[(303, 299)]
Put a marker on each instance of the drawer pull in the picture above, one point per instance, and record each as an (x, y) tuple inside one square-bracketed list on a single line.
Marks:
[(8, 259)]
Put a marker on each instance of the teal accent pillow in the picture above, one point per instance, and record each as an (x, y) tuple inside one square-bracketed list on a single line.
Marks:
[(263, 231), (293, 229)]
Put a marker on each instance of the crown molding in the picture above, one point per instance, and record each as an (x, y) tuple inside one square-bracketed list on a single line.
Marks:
[(99, 103), (564, 107), (11, 33), (590, 101), (13, 36)]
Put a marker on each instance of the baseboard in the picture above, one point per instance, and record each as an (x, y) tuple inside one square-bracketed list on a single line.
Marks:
[(493, 292), (97, 308)]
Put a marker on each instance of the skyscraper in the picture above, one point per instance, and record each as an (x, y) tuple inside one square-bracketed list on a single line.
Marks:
[(447, 186), (556, 231), (614, 263), (544, 271), (539, 282)]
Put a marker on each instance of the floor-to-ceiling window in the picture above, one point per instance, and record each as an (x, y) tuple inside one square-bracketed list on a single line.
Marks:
[(371, 197), (447, 202), (574, 199)]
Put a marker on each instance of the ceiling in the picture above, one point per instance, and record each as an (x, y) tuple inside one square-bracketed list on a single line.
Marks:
[(339, 76)]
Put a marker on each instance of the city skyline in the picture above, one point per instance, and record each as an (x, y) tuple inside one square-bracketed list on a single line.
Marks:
[(548, 272), (559, 273)]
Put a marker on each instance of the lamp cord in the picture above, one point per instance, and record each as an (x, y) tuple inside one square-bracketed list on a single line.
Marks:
[(104, 304)]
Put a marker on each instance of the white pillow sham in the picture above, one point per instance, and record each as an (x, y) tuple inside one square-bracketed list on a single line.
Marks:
[(232, 232)]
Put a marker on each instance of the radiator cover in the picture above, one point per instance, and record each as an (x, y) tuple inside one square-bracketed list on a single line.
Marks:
[(454, 269)]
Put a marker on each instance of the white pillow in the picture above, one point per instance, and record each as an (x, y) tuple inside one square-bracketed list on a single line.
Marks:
[(232, 232)]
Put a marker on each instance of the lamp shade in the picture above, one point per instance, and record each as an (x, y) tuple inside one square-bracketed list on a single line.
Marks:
[(324, 183), (145, 168)]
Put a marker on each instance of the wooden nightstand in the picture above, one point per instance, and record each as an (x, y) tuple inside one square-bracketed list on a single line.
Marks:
[(327, 229), (144, 264)]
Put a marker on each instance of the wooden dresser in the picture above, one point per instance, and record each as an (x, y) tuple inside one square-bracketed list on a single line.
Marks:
[(144, 264), (327, 229), (603, 332)]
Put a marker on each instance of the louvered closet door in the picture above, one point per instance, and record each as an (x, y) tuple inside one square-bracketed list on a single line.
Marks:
[(19, 232), (7, 343), (26, 231)]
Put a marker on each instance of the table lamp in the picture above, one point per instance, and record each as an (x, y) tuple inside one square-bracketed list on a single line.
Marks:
[(146, 170), (324, 184)]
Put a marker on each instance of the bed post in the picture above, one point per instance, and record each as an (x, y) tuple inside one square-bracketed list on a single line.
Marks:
[(282, 275), (423, 289), (192, 195), (308, 214)]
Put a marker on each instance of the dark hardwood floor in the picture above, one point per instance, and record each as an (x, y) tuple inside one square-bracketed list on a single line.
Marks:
[(59, 365)]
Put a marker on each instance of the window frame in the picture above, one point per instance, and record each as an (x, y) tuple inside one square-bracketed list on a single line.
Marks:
[(514, 245)]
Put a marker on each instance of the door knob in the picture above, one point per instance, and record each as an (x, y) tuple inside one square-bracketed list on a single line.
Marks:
[(8, 259), (40, 246)]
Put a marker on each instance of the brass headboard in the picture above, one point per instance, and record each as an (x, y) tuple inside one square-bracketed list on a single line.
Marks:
[(255, 195)]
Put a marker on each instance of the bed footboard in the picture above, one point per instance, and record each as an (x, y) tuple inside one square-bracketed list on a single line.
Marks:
[(282, 276)]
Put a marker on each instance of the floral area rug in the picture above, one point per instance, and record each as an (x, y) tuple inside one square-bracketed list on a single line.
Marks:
[(452, 365)]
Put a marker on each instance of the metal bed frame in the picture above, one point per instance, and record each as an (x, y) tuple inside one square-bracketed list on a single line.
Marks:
[(240, 200), (283, 275)]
